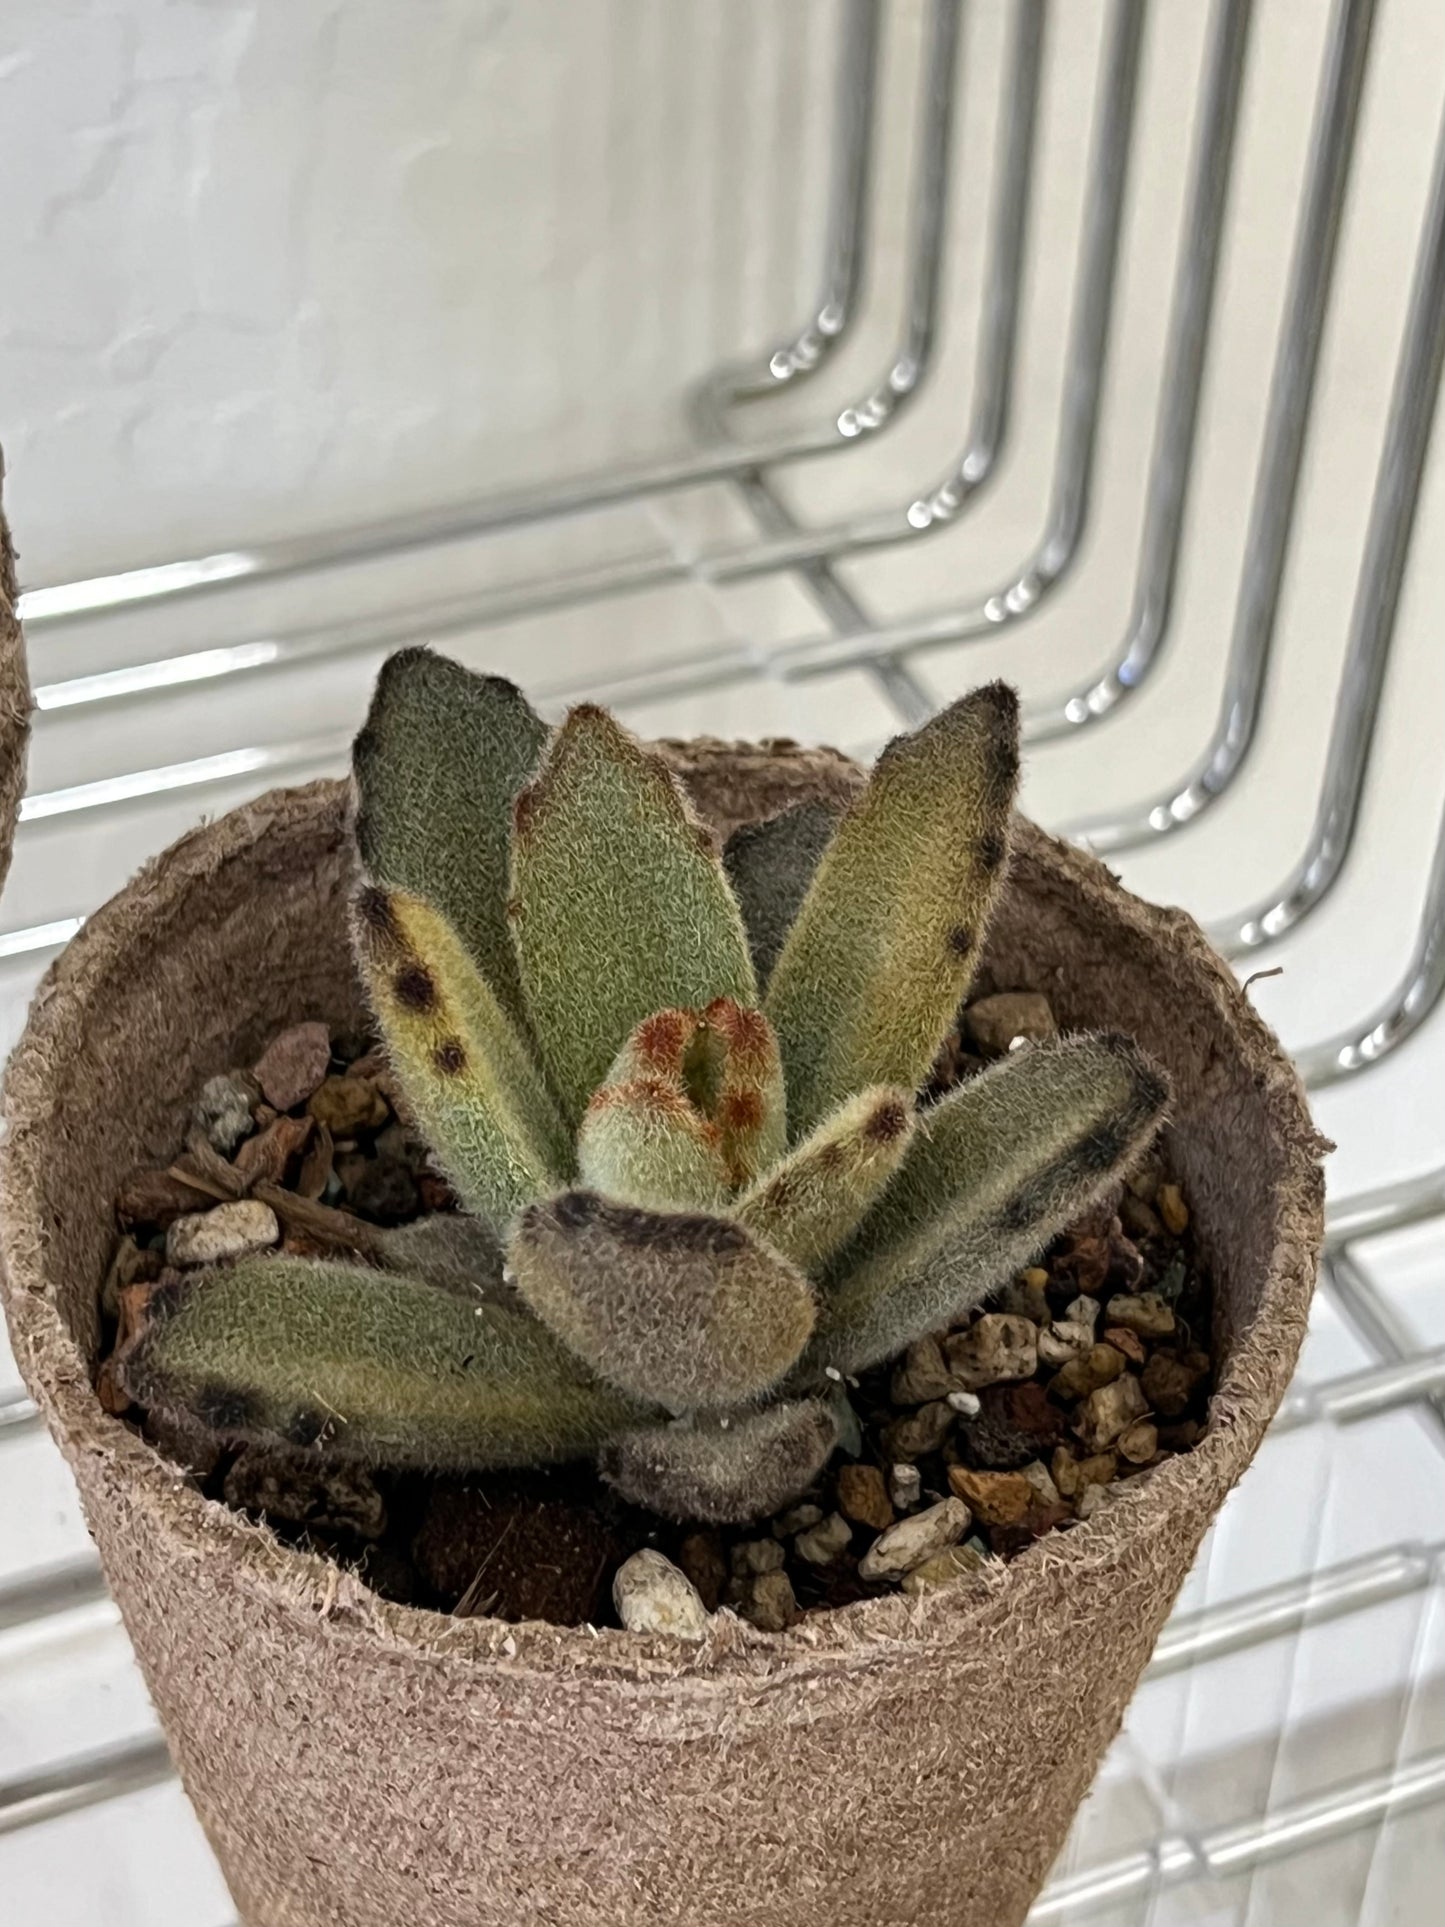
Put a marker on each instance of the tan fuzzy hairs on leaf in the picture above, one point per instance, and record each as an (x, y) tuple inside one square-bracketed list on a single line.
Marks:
[(478, 1095), (619, 904), (770, 866), (739, 1070), (374, 1367), (809, 1204), (884, 946), (438, 765), (679, 1307), (999, 1167), (724, 1474)]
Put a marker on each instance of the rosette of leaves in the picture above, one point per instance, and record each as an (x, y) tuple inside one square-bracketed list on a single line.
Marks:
[(675, 1089)]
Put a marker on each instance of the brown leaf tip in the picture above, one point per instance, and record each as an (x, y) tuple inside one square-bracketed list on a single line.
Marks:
[(415, 987), (992, 850), (746, 1032), (450, 1058), (376, 912), (888, 1121), (960, 940), (661, 1040)]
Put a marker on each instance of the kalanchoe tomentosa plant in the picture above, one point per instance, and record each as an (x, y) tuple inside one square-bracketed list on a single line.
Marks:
[(675, 1091)]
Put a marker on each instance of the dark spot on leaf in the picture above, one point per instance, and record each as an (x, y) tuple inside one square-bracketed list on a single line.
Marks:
[(960, 940), (450, 1058), (226, 1409), (992, 849), (306, 1425), (888, 1121), (1102, 1148), (415, 987), (374, 909)]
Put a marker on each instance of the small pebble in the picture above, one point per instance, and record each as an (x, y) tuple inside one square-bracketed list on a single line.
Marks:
[(770, 1604), (1026, 1297), (912, 1540), (1037, 1474), (1072, 1475), (293, 1064), (905, 1486), (223, 1112), (652, 1596), (968, 1403), (1110, 1410), (1082, 1310), (1170, 1381), (759, 1555), (346, 1105), (1100, 1365), (797, 1518), (1172, 1209), (922, 1432), (942, 1569), (863, 1496), (700, 1557), (1139, 1444), (1147, 1314), (995, 1498), (205, 1237), (1127, 1342), (1091, 1498), (922, 1375), (1000, 1346), (1063, 1341), (1137, 1218), (821, 1544), (265, 1156), (993, 1023)]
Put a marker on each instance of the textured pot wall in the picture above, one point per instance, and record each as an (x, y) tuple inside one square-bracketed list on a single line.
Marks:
[(360, 1763), (14, 692)]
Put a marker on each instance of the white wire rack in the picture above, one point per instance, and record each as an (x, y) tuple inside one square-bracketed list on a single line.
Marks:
[(1203, 1817)]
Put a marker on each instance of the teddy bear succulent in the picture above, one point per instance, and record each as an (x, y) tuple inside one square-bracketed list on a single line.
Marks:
[(676, 1091)]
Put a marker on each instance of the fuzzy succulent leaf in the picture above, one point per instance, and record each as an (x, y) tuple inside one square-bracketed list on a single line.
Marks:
[(643, 1139), (682, 1308), (451, 1250), (379, 1368), (770, 866), (724, 1475), (438, 766), (808, 1205), (737, 1071), (477, 1092), (619, 903), (884, 945), (996, 1169)]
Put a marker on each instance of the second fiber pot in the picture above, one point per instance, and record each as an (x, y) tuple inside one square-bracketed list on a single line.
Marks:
[(358, 1763)]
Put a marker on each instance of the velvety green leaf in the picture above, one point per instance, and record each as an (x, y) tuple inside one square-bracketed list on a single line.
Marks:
[(619, 902), (643, 1140), (996, 1170), (438, 767), (770, 866), (367, 1366), (725, 1471), (884, 946), (679, 1307), (478, 1094), (809, 1204)]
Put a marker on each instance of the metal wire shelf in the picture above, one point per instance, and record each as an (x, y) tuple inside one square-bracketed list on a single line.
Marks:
[(1406, 1373)]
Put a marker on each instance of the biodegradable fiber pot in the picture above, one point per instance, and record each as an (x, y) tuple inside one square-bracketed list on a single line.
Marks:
[(357, 1763), (14, 693)]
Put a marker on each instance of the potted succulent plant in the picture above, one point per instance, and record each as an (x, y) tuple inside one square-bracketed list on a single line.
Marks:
[(668, 1019)]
